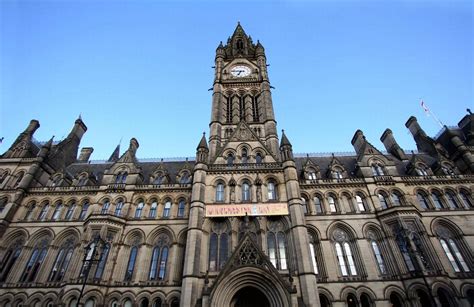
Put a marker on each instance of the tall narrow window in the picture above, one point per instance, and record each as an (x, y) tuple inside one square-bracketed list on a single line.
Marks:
[(43, 212), (167, 208), (378, 257), (57, 211), (255, 111), (159, 259), (244, 156), (70, 211), (276, 244), (312, 250), (437, 200), (229, 110), (403, 245), (103, 261), (62, 261), (466, 200), (218, 246), (18, 178), (340, 259), (185, 179), (105, 207), (153, 208), (453, 203), (377, 170), (220, 192), (242, 108), (304, 202), (422, 200), (258, 158), (382, 201), (396, 198), (230, 160), (34, 263), (272, 194), (318, 204), (337, 174), (118, 208), (245, 192), (9, 259), (360, 203), (29, 212), (181, 207), (312, 174), (85, 207), (344, 253), (421, 251), (131, 263), (139, 210), (124, 177), (332, 204)]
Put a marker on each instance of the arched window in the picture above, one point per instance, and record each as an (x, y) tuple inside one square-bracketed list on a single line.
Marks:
[(62, 261), (118, 208), (158, 179), (105, 207), (344, 253), (230, 159), (185, 178), (245, 191), (382, 200), (452, 201), (44, 212), (421, 170), (244, 155), (447, 169), (34, 263), (85, 207), (82, 181), (403, 245), (181, 207), (255, 111), (159, 258), (360, 201), (304, 202), (365, 300), (70, 211), (438, 203), (167, 209), (218, 246), (313, 251), (144, 302), (131, 263), (121, 177), (312, 174), (351, 300), (396, 198), (422, 200), (258, 158), (324, 301), (276, 244), (318, 204), (220, 192), (3, 176), (29, 212), (396, 300), (272, 193), (103, 261), (450, 245), (139, 210), (378, 257), (157, 303), (57, 211), (377, 169), (466, 200), (18, 178), (332, 203), (154, 206), (9, 259)]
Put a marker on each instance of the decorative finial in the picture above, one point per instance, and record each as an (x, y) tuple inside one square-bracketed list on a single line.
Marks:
[(469, 111), (80, 117), (204, 134)]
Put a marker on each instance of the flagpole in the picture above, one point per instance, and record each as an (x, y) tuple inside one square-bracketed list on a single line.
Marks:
[(428, 112)]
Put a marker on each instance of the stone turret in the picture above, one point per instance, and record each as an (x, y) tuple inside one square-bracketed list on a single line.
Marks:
[(391, 145)]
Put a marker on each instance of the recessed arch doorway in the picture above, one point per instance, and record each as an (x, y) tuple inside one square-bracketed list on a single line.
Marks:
[(249, 297)]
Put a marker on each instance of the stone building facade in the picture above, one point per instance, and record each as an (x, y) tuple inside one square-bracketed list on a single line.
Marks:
[(244, 223)]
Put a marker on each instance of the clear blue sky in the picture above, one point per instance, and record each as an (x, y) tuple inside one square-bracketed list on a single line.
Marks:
[(143, 68)]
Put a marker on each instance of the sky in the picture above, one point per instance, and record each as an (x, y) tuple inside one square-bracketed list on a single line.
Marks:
[(143, 69)]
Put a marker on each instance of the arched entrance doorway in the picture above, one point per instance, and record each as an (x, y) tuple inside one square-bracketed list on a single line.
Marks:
[(249, 297)]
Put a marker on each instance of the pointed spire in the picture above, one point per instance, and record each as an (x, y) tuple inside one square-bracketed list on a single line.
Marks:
[(203, 142), (284, 140), (115, 154)]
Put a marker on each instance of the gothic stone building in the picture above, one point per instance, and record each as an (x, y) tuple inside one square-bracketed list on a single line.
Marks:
[(244, 223)]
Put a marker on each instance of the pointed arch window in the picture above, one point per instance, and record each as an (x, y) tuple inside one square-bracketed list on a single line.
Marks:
[(139, 210), (18, 178), (159, 259), (360, 201), (44, 212), (245, 191), (158, 179), (255, 111), (438, 203), (105, 207), (85, 207), (34, 263), (276, 244), (313, 251), (344, 253), (244, 155), (218, 246), (258, 158), (336, 173), (70, 211), (332, 203), (82, 181), (272, 192), (30, 210), (181, 207), (452, 201), (62, 261), (131, 263), (103, 261), (153, 208), (185, 179), (9, 259), (304, 202), (229, 110), (378, 257), (121, 177), (118, 208), (383, 200), (404, 247), (422, 200), (466, 200), (454, 255), (220, 192), (421, 170), (377, 169), (318, 204), (57, 211), (167, 209), (230, 159), (396, 198)]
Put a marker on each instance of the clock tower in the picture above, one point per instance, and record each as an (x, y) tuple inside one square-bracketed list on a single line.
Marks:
[(242, 106)]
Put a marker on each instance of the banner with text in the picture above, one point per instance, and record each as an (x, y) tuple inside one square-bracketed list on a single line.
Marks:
[(246, 209)]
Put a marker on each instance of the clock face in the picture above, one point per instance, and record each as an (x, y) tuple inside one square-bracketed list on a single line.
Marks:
[(240, 71)]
